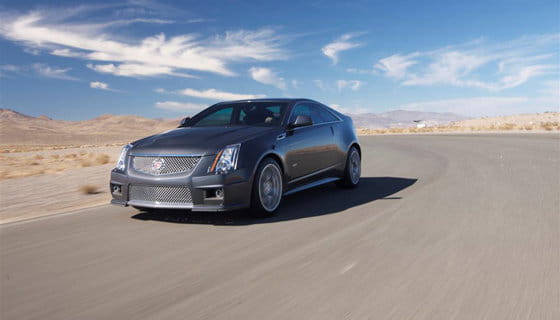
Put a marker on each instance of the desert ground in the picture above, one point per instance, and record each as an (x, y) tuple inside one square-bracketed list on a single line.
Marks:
[(549, 122), (64, 165)]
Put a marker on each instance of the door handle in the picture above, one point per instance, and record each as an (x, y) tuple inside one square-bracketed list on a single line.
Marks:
[(332, 130)]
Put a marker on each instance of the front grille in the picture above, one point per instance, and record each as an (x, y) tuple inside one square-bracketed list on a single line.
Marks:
[(156, 165), (160, 194)]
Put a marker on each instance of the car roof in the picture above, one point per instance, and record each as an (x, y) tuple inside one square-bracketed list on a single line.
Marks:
[(284, 100)]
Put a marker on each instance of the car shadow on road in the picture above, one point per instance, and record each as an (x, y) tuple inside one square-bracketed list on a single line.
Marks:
[(323, 200)]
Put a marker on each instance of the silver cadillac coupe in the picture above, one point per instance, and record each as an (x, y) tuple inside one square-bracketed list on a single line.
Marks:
[(239, 154)]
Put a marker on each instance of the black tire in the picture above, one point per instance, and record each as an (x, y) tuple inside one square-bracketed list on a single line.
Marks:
[(349, 179), (271, 168)]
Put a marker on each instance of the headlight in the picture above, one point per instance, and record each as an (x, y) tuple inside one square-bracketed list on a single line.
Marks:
[(121, 164), (226, 160)]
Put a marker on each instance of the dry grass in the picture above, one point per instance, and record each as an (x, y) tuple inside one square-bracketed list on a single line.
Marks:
[(24, 166), (549, 126), (85, 163), (89, 189), (40, 147), (102, 159)]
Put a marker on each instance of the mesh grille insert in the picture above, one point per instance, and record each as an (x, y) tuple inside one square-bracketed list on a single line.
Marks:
[(163, 165), (161, 194)]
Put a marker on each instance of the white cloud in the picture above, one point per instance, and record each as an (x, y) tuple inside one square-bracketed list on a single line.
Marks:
[(68, 53), (551, 88), (180, 106), (136, 70), (514, 78), (476, 64), (6, 69), (10, 68), (52, 72), (62, 35), (319, 84), (354, 85), (347, 110), (32, 51), (199, 20), (363, 71), (395, 66), (99, 85), (214, 94), (343, 43), (296, 83), (476, 107), (448, 67), (550, 95), (267, 76)]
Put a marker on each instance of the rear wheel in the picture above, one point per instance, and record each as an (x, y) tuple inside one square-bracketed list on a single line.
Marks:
[(353, 169), (267, 189)]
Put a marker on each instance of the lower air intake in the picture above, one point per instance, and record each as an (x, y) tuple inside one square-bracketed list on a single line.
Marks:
[(160, 194)]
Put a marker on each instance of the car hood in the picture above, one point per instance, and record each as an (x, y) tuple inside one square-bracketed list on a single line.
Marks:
[(200, 141)]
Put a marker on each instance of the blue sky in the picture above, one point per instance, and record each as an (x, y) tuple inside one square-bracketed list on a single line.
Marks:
[(166, 59)]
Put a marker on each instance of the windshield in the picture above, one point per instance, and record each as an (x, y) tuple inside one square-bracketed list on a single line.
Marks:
[(242, 114)]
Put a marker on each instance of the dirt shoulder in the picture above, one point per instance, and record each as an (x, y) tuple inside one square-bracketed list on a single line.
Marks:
[(41, 183)]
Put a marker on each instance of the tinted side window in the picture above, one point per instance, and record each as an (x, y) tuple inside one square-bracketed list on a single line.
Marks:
[(303, 110), (310, 110), (325, 114), (269, 115)]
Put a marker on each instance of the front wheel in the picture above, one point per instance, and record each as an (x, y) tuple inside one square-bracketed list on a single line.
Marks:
[(353, 169), (267, 189)]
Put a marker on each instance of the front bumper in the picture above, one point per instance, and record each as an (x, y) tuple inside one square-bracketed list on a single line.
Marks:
[(201, 187)]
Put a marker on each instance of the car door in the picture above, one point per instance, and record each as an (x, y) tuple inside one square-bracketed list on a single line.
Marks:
[(337, 150), (308, 148)]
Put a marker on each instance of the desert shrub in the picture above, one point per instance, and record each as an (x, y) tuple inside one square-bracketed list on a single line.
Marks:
[(102, 159), (549, 126), (85, 163), (507, 126), (89, 189), (396, 130)]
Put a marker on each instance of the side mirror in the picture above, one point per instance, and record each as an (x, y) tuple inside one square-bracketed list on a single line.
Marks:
[(301, 121), (184, 122)]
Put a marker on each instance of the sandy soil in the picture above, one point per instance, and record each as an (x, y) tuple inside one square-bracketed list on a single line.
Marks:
[(46, 194), (24, 164), (55, 191)]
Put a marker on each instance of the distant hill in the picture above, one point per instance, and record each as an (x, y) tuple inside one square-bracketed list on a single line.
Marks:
[(402, 119), (18, 128)]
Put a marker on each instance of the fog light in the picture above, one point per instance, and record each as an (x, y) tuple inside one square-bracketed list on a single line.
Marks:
[(115, 188), (220, 193)]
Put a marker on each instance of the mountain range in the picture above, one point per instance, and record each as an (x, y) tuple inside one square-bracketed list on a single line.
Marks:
[(18, 128)]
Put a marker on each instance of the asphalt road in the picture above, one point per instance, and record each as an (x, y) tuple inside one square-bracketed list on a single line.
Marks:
[(441, 227)]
